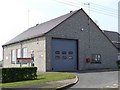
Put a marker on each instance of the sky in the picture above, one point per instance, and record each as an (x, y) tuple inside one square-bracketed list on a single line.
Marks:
[(17, 16)]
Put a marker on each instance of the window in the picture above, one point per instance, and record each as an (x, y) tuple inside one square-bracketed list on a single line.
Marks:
[(96, 58), (57, 52), (24, 52), (70, 52), (19, 54), (13, 57), (32, 55), (64, 57), (70, 57), (57, 57), (64, 52)]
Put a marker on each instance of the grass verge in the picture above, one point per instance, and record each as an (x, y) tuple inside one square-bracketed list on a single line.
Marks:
[(46, 77)]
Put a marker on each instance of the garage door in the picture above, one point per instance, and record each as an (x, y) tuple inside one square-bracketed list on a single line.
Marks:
[(64, 55)]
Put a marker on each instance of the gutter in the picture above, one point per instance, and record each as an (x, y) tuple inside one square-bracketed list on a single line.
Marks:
[(23, 40)]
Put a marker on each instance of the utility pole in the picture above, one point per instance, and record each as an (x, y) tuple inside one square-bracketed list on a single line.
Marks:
[(119, 17), (28, 17), (89, 32), (88, 8)]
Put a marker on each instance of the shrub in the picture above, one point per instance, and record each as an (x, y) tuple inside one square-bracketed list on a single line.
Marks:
[(18, 74), (118, 63)]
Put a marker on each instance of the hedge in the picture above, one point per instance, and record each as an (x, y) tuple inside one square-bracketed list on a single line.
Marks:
[(118, 63), (18, 74)]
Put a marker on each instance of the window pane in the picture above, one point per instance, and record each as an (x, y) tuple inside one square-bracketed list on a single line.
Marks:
[(13, 57), (96, 59), (24, 52), (64, 52), (57, 52), (70, 52), (57, 57), (19, 53), (64, 57), (70, 57)]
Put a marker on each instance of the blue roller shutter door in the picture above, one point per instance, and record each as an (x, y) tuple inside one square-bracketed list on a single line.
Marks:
[(64, 55)]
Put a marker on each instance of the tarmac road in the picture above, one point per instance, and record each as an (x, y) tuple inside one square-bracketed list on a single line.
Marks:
[(88, 81)]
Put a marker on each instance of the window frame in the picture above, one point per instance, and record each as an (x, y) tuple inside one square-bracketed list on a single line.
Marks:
[(96, 59)]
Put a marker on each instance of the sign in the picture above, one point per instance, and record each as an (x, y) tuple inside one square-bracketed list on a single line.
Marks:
[(24, 60)]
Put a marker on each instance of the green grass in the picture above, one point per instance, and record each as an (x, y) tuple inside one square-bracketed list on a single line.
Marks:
[(46, 77)]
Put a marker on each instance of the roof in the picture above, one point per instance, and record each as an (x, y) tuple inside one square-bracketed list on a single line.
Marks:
[(113, 36), (43, 28), (40, 29)]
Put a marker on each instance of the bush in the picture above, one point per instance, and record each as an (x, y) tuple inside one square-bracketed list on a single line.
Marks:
[(18, 74), (118, 63)]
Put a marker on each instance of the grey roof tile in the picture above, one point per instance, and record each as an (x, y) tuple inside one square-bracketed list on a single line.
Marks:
[(114, 37)]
